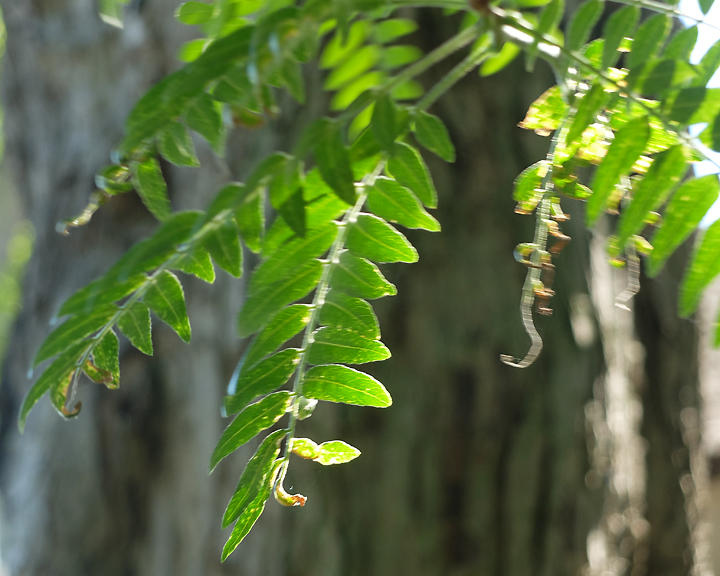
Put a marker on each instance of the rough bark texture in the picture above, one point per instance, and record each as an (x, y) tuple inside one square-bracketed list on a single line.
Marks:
[(477, 469)]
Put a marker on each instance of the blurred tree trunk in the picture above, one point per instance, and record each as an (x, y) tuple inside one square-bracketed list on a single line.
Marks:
[(477, 469)]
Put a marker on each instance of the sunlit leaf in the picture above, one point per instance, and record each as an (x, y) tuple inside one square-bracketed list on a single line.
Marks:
[(151, 187), (407, 166), (337, 345), (251, 421), (266, 376), (628, 144), (166, 299), (432, 134), (135, 325), (336, 383), (336, 452), (620, 24), (394, 202), (704, 267), (373, 238), (360, 277), (279, 329), (687, 207)]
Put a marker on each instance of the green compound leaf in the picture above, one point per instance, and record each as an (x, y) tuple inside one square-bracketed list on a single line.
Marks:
[(582, 23), (252, 420), (166, 299), (342, 311), (135, 325), (629, 143), (250, 514), (336, 452), (704, 266), (151, 187), (333, 159), (176, 146), (54, 375), (265, 377), (337, 345), (409, 169), (618, 25), (264, 301), (281, 327), (373, 238), (336, 383), (432, 134), (394, 202), (223, 243), (73, 330), (255, 477), (197, 262), (360, 277), (652, 190), (683, 214)]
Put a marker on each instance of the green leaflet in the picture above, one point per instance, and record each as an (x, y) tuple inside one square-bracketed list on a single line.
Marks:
[(223, 243), (409, 169), (360, 277), (628, 144), (392, 29), (279, 329), (356, 64), (394, 202), (501, 60), (546, 113), (264, 377), (704, 266), (293, 212), (327, 453), (332, 158), (336, 452), (255, 477), (550, 17), (711, 135), (618, 25), (166, 299), (106, 359), (59, 370), (176, 146), (249, 516), (197, 262), (342, 311), (73, 330), (705, 5), (646, 45), (266, 300), (151, 187), (582, 23), (651, 191), (204, 116), (250, 218), (388, 122), (193, 13), (284, 261), (252, 420), (134, 323), (590, 104), (336, 383), (372, 238), (432, 134), (681, 44), (337, 345), (683, 214), (694, 105)]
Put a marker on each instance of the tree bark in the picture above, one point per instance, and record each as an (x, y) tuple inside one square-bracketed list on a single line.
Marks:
[(477, 468)]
